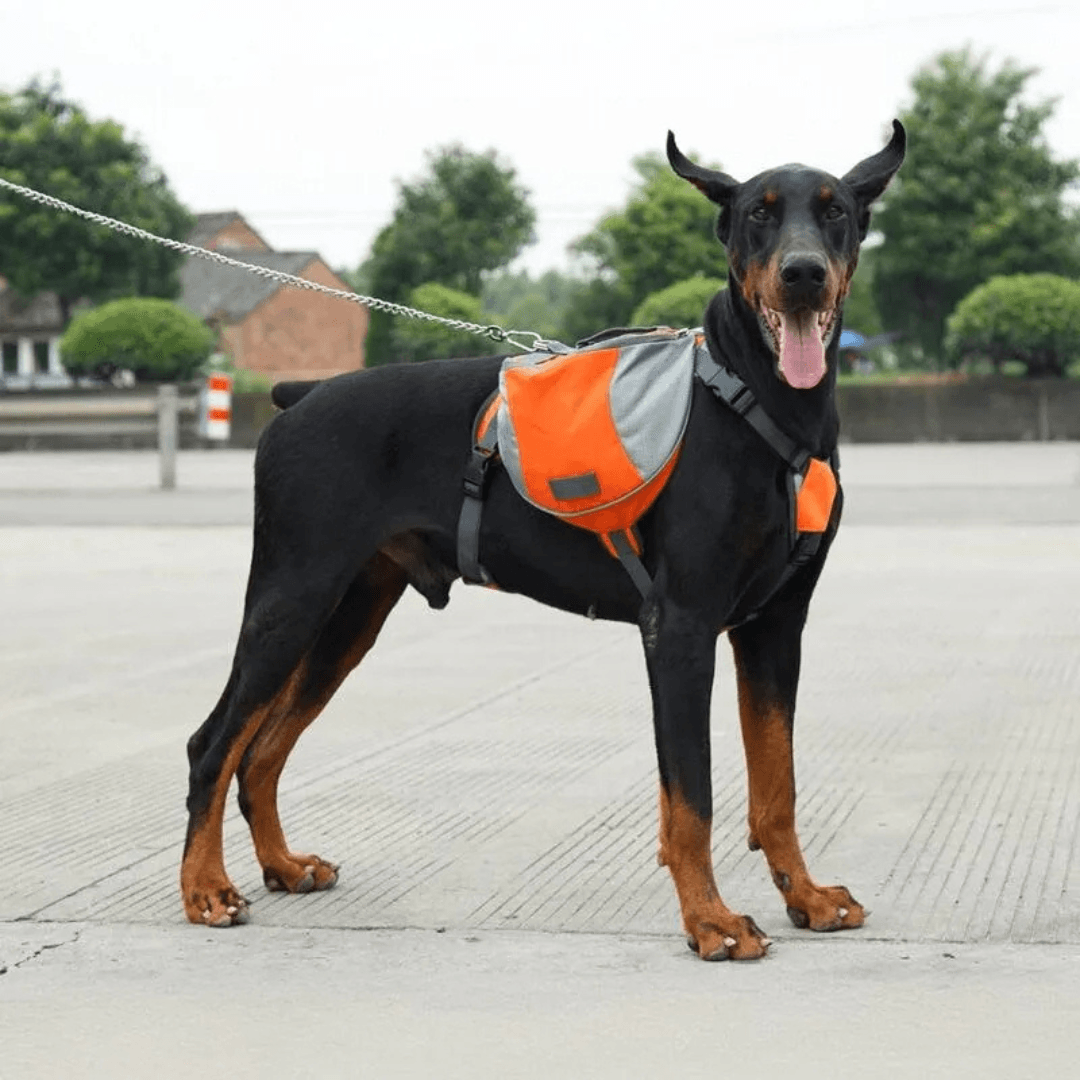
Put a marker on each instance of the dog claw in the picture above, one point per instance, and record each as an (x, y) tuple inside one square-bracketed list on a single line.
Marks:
[(842, 912), (730, 942)]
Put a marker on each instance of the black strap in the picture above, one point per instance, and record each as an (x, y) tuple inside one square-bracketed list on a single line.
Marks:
[(620, 541), (731, 390), (472, 508)]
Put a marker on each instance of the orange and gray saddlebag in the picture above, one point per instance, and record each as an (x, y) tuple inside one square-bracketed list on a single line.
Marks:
[(589, 436)]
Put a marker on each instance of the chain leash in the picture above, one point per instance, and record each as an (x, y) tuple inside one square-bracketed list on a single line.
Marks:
[(533, 340)]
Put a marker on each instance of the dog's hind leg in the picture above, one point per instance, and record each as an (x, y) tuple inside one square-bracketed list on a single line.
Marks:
[(680, 652), (282, 619), (767, 658), (341, 645)]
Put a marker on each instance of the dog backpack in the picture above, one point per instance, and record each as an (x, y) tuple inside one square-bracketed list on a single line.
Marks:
[(591, 436)]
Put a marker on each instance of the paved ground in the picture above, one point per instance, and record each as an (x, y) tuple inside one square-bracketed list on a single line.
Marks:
[(500, 912)]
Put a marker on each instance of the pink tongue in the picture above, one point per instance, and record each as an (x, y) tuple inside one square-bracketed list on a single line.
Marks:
[(802, 353)]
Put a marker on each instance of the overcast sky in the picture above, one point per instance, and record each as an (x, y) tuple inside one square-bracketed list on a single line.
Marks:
[(301, 116)]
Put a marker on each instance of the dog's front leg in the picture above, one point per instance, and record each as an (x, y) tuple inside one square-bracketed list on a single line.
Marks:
[(680, 651), (767, 657)]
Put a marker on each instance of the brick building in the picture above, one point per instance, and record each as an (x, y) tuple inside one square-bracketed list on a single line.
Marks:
[(278, 331)]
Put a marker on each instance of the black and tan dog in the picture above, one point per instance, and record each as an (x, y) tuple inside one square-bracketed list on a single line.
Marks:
[(358, 490)]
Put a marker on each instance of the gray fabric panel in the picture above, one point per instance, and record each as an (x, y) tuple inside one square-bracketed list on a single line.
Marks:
[(575, 487), (650, 400)]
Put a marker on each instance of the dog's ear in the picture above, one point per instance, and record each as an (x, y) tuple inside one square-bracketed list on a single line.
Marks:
[(716, 186), (869, 179)]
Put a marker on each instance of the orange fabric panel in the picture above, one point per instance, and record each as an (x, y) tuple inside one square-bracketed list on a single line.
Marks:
[(487, 418), (626, 511), (568, 412), (816, 496)]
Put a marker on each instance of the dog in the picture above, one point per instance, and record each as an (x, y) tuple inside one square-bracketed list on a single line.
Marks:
[(358, 491)]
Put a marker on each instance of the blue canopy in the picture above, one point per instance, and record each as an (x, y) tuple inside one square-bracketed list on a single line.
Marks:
[(849, 339)]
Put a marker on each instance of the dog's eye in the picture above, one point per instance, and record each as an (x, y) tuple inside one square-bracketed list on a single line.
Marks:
[(834, 212), (760, 214)]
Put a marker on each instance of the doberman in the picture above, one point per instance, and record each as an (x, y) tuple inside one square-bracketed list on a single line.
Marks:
[(358, 490)]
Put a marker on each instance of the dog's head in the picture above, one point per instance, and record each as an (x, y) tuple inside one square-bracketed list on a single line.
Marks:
[(792, 236)]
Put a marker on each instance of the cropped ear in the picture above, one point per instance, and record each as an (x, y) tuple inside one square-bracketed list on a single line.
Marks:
[(718, 187), (869, 179)]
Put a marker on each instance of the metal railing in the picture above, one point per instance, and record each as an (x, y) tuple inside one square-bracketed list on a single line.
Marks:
[(102, 416)]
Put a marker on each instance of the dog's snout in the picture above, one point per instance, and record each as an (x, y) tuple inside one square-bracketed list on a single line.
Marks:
[(805, 270)]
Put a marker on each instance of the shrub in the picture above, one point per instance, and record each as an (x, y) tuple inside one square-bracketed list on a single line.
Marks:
[(679, 305), (417, 339), (155, 339), (1032, 318)]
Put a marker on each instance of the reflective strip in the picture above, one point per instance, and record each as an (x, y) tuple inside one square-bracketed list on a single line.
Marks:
[(568, 488)]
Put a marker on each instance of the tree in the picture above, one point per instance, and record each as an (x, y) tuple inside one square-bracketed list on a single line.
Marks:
[(1033, 318), (155, 339), (518, 301), (418, 339), (664, 234), (49, 144), (679, 305), (466, 216), (979, 195), (860, 308)]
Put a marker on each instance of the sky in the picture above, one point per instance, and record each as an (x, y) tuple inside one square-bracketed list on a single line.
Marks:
[(304, 117)]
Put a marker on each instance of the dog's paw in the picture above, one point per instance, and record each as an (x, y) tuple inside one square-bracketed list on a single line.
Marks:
[(825, 909), (300, 874), (217, 907), (734, 938)]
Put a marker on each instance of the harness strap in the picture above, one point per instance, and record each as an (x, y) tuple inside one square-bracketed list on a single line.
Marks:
[(472, 508), (623, 546), (730, 389), (740, 398)]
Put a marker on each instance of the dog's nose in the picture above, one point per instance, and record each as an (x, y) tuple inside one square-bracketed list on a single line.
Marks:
[(803, 276), (805, 270)]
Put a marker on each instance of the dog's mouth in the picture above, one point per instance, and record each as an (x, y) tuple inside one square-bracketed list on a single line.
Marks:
[(799, 340)]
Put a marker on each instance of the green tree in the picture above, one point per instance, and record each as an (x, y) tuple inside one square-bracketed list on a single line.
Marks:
[(155, 339), (519, 301), (860, 307), (679, 305), (49, 144), (664, 234), (979, 195), (418, 339), (466, 216), (1033, 318)]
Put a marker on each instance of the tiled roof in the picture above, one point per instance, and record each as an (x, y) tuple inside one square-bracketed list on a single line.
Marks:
[(20, 314), (207, 226), (214, 291)]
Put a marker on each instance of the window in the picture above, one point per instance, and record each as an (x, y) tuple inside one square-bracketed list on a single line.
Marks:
[(11, 358), (41, 357)]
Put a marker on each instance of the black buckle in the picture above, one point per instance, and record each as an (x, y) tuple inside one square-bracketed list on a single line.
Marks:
[(742, 401), (475, 473)]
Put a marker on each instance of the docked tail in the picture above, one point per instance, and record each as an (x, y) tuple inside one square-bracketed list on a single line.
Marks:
[(285, 394)]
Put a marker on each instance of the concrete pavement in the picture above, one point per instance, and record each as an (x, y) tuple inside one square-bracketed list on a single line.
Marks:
[(500, 912)]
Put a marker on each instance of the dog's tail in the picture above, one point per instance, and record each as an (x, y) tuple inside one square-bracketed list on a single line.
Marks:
[(285, 394)]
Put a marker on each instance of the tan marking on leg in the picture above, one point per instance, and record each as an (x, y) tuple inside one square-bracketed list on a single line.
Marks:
[(209, 895), (713, 930), (770, 769), (282, 868)]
